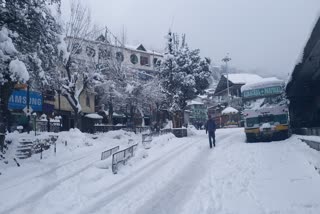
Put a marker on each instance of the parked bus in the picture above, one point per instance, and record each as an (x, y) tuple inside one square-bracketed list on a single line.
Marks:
[(265, 111)]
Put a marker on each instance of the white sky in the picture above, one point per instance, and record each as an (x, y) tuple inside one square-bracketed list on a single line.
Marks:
[(263, 35)]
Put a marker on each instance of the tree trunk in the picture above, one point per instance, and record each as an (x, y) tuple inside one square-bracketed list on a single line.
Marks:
[(110, 116), (5, 93), (77, 120), (142, 117)]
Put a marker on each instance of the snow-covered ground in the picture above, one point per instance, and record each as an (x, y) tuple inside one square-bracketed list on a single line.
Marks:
[(174, 176)]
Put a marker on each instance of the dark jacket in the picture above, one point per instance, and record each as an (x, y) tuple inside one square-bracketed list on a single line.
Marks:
[(211, 125)]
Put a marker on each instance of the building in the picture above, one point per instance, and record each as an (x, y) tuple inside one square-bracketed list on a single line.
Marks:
[(144, 62), (221, 100), (62, 108), (195, 113), (303, 89), (140, 63)]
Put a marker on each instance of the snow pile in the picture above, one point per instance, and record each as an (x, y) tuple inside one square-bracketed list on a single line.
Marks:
[(263, 83), (169, 125), (191, 130), (18, 71), (243, 78), (230, 110)]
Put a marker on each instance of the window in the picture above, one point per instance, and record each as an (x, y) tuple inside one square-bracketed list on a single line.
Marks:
[(90, 51), (252, 121), (88, 101), (104, 54), (76, 48), (144, 60), (155, 61), (282, 118), (119, 56), (134, 59), (266, 119)]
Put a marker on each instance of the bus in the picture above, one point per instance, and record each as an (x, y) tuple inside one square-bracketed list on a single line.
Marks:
[(266, 115)]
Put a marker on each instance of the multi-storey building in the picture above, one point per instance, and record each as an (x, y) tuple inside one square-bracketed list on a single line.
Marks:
[(139, 59)]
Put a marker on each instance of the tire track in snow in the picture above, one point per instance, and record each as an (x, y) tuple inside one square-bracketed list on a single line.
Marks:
[(124, 185), (174, 195), (54, 169), (140, 184), (33, 198)]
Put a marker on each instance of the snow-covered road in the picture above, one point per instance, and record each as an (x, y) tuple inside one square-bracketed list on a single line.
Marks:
[(178, 176)]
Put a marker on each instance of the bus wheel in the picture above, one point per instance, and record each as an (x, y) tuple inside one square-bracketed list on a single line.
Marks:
[(250, 139)]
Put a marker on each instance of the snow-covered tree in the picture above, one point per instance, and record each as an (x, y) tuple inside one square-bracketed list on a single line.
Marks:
[(77, 75), (28, 45), (184, 75)]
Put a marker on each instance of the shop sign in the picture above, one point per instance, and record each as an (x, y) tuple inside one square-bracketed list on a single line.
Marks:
[(18, 100)]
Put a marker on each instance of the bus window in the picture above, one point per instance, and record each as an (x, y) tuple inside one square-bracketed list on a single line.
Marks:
[(251, 121), (282, 118), (266, 119)]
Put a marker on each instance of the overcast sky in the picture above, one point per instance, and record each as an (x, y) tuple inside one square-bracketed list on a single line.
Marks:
[(263, 35)]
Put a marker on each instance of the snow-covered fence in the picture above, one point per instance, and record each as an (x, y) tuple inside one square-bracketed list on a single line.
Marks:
[(122, 157), (141, 129), (165, 131), (313, 144), (106, 128), (43, 126), (307, 131), (180, 132), (108, 153)]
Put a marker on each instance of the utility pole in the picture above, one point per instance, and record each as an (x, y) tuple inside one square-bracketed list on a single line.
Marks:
[(226, 60), (28, 106)]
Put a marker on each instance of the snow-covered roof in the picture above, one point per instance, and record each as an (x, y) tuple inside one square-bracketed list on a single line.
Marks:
[(264, 83), (138, 48), (193, 102), (243, 78), (94, 116), (230, 110), (115, 114)]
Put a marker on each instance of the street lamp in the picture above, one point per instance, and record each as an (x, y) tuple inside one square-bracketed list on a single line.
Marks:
[(226, 60), (34, 115)]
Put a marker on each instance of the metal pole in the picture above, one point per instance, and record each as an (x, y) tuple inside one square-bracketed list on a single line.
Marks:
[(28, 106), (35, 125), (226, 60), (59, 93)]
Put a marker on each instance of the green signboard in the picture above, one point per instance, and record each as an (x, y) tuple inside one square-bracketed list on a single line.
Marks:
[(262, 92)]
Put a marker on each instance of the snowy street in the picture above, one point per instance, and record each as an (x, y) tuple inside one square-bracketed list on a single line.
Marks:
[(174, 176)]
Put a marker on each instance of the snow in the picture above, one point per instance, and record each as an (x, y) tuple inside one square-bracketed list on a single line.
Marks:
[(265, 126), (129, 88), (18, 71), (230, 110), (6, 45), (243, 78), (263, 83), (194, 102), (135, 48), (169, 125), (94, 116), (173, 176)]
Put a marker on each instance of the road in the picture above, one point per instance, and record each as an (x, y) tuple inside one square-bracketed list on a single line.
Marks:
[(184, 176)]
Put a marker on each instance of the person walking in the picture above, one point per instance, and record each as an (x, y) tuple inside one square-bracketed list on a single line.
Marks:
[(211, 128)]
